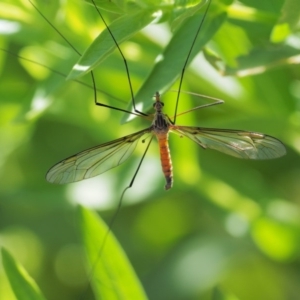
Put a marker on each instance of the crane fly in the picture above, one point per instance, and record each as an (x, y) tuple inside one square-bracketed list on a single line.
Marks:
[(99, 159)]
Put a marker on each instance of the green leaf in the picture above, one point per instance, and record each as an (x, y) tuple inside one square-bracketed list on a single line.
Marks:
[(288, 22), (259, 60), (185, 13), (168, 68), (106, 5), (112, 275), (123, 28), (232, 42), (22, 284)]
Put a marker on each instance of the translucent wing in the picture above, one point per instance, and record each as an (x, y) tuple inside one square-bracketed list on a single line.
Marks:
[(238, 143), (94, 161)]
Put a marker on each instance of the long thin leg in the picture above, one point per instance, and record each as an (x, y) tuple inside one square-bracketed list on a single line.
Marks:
[(217, 101), (136, 113), (187, 60), (124, 60), (112, 221)]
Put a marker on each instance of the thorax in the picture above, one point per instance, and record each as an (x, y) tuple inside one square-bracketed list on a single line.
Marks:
[(160, 124)]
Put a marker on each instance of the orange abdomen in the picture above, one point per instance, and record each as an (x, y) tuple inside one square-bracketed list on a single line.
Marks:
[(165, 159)]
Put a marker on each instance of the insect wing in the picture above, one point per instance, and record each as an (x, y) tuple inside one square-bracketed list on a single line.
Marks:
[(238, 143), (94, 161)]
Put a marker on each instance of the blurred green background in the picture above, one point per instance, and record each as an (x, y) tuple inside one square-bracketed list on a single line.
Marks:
[(227, 223)]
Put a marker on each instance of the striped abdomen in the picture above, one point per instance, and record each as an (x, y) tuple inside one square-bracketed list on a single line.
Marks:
[(165, 159)]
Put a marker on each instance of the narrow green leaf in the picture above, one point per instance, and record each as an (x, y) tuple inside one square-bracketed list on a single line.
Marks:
[(259, 60), (168, 68), (112, 275), (21, 283), (123, 28), (185, 13)]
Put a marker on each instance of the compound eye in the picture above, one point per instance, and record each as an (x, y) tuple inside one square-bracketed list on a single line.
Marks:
[(162, 104), (154, 104)]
